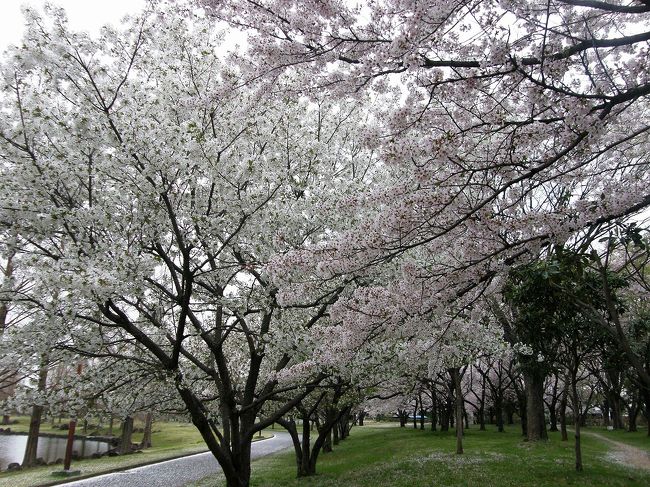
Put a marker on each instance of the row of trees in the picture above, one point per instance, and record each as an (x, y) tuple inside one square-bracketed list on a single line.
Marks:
[(359, 200)]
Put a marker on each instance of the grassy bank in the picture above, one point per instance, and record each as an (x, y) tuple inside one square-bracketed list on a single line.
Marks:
[(170, 439), (394, 457), (165, 434)]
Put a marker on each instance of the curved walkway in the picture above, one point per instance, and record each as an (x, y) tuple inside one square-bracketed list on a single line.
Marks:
[(625, 454), (178, 472)]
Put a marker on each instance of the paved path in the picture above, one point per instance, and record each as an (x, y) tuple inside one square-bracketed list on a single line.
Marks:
[(177, 473), (625, 454)]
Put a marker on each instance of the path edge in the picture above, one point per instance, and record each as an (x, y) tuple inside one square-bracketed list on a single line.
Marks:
[(129, 467)]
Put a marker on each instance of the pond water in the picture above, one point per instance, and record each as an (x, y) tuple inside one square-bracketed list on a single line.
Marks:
[(12, 448)]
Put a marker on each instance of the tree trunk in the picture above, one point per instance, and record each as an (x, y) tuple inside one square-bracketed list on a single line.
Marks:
[(523, 414), (4, 310), (456, 376), (645, 394), (633, 412), (498, 406), (563, 404), (327, 444), (521, 404), (553, 417), (241, 461), (444, 418), (125, 437), (403, 417), (29, 459), (552, 407), (434, 411), (605, 408), (146, 437), (576, 417), (481, 409), (617, 414), (305, 467), (536, 422), (361, 417)]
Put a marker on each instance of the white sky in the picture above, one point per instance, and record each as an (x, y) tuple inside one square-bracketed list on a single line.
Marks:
[(88, 15)]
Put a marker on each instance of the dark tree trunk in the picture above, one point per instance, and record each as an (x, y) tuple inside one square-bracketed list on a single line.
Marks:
[(29, 459), (605, 408), (306, 468), (302, 446), (361, 417), (241, 460), (510, 414), (125, 436), (327, 443), (552, 406), (633, 408), (632, 417), (301, 459), (536, 422), (307, 452), (4, 310), (563, 405), (481, 409), (522, 407), (481, 418), (645, 394), (146, 437), (415, 416), (498, 406), (444, 418), (616, 412), (552, 412), (403, 417), (434, 410), (576, 416), (456, 377)]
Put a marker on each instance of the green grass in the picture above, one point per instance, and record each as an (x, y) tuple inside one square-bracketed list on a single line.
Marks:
[(396, 457), (165, 435), (169, 439)]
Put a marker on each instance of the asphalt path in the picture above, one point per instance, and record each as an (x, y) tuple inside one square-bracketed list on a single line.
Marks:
[(178, 472)]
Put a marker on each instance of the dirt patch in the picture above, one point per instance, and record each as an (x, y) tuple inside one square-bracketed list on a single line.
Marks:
[(623, 454)]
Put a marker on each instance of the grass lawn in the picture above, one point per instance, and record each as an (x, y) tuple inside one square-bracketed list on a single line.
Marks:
[(165, 434), (397, 457), (170, 439)]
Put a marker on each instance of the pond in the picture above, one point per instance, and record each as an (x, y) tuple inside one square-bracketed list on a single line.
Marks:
[(12, 448)]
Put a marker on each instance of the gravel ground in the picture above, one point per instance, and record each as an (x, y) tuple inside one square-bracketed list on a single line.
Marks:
[(624, 454), (177, 473)]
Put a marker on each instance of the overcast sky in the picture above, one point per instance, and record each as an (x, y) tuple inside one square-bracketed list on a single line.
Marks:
[(86, 15)]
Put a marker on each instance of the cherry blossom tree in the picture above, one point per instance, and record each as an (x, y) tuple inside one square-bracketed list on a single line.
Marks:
[(150, 193), (511, 127)]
